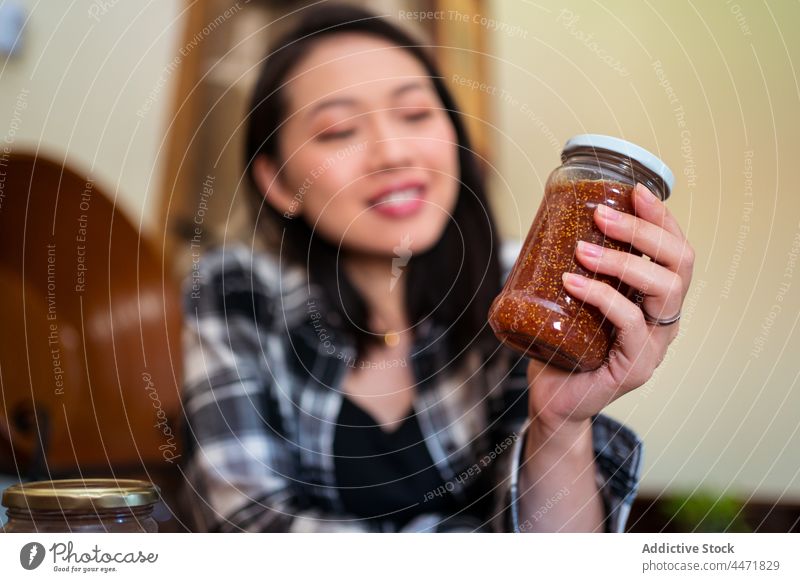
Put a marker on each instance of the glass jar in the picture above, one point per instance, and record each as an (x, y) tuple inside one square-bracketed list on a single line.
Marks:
[(81, 506), (533, 314)]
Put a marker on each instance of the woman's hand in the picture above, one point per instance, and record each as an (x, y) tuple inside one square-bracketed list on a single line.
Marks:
[(559, 400)]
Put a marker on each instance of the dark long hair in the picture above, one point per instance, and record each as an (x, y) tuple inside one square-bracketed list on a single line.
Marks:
[(454, 282)]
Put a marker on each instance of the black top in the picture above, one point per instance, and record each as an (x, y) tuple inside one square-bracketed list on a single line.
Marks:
[(385, 475)]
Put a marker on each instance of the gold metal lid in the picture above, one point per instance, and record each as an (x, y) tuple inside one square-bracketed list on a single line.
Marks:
[(87, 494)]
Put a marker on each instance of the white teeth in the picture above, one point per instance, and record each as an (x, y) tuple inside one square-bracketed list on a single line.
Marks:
[(399, 196)]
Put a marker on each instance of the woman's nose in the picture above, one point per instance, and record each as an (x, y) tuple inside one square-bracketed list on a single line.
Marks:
[(390, 148)]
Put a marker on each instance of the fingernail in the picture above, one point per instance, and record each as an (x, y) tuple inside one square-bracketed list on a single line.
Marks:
[(607, 212), (645, 194), (590, 249), (574, 280)]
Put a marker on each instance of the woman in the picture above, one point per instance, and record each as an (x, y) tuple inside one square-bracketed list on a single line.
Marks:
[(346, 379)]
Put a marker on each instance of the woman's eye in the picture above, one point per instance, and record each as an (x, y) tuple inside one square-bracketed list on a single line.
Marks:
[(338, 134), (418, 116)]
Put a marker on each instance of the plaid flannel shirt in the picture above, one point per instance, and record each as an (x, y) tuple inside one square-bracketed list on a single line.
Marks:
[(264, 367)]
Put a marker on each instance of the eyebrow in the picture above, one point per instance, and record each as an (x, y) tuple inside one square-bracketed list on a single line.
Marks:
[(351, 102)]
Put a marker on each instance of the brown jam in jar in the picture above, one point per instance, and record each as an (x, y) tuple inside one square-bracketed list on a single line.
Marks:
[(533, 314), (81, 506)]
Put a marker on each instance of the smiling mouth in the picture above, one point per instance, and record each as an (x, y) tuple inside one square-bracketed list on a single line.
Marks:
[(398, 197), (399, 203)]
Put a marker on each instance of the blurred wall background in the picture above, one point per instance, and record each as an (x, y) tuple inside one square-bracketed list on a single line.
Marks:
[(91, 81), (711, 87)]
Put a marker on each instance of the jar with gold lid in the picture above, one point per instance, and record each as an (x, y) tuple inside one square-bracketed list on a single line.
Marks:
[(81, 506), (533, 314)]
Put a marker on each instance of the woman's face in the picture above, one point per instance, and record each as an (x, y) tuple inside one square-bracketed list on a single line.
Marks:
[(370, 155)]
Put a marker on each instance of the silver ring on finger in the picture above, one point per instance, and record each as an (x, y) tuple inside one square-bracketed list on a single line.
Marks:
[(660, 322)]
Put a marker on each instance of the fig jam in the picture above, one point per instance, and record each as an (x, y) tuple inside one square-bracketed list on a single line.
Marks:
[(534, 314)]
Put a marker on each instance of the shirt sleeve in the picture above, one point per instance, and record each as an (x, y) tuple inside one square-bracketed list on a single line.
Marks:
[(617, 454), (239, 462), (618, 458)]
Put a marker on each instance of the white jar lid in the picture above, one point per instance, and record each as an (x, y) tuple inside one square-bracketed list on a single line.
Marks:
[(626, 148)]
